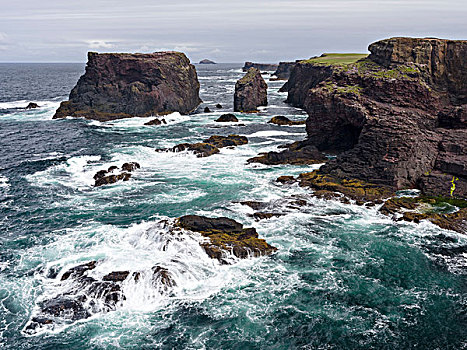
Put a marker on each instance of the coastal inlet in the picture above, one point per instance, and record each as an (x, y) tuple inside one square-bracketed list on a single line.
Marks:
[(343, 276)]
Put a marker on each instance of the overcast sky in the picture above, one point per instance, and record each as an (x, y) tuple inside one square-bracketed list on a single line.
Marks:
[(225, 31)]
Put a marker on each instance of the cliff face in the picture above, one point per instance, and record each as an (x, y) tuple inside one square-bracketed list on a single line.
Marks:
[(283, 71), (126, 85), (250, 92), (393, 118), (260, 66), (444, 61)]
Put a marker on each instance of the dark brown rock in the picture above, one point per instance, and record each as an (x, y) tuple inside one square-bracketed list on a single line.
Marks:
[(156, 121), (32, 105), (79, 270), (111, 179), (207, 110), (226, 141), (250, 92), (285, 179), (127, 85), (218, 106), (131, 166), (117, 276), (281, 120), (227, 118), (283, 70)]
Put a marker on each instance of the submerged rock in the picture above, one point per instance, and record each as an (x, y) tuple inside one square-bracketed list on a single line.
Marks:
[(226, 235), (250, 92), (281, 120), (124, 85), (296, 153), (227, 118)]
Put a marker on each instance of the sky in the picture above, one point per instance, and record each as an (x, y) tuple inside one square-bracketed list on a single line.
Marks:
[(224, 31)]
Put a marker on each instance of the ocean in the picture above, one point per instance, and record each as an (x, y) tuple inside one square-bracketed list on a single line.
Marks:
[(344, 276)]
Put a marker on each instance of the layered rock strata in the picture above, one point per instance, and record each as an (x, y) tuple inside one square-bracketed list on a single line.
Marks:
[(123, 85)]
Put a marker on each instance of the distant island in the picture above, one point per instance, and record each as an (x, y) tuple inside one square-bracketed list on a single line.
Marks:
[(206, 61)]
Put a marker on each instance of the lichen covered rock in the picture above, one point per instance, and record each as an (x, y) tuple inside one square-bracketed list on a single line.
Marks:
[(226, 235)]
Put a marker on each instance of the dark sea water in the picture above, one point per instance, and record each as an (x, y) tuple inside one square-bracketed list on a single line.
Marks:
[(344, 277)]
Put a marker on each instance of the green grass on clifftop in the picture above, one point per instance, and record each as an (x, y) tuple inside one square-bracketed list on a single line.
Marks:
[(336, 58)]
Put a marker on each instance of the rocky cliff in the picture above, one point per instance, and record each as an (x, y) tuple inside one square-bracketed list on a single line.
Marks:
[(283, 70), (396, 118), (260, 66), (120, 85), (250, 92)]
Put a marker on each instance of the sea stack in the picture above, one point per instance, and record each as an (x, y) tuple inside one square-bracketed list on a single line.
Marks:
[(250, 92), (396, 118), (124, 85)]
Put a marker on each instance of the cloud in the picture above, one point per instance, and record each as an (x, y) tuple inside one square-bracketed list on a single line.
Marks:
[(3, 37), (99, 44)]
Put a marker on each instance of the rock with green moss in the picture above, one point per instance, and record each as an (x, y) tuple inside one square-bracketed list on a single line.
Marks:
[(392, 118), (121, 85), (250, 92), (226, 236)]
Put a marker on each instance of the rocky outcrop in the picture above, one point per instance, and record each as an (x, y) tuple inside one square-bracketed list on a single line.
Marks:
[(156, 121), (111, 175), (206, 61), (121, 85), (395, 119), (261, 66), (226, 118), (250, 92), (32, 105), (209, 146), (281, 120), (443, 61), (226, 235), (295, 153), (283, 70)]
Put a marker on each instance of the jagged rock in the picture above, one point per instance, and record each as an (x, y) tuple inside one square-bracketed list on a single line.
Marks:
[(250, 92), (260, 66), (207, 110), (285, 179), (116, 276), (209, 146), (32, 105), (227, 118), (79, 270), (162, 276), (219, 106), (296, 153), (387, 116), (281, 120), (206, 61), (283, 70), (352, 188), (255, 205), (129, 167), (111, 179), (156, 121), (112, 168), (263, 216), (226, 235), (123, 85), (409, 209)]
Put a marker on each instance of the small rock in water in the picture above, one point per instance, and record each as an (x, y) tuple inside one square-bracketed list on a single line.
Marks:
[(130, 166), (156, 122), (227, 118), (219, 106), (32, 105), (281, 120), (117, 276), (105, 177), (207, 110)]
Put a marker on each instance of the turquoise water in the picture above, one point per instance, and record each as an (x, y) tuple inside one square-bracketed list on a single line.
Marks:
[(344, 277)]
